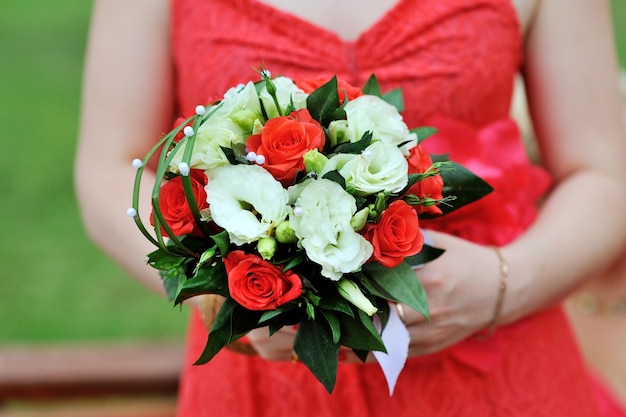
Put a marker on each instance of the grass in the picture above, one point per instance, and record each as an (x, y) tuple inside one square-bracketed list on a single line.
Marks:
[(55, 285)]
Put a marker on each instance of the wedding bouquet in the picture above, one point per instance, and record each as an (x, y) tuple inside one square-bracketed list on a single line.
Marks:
[(300, 204)]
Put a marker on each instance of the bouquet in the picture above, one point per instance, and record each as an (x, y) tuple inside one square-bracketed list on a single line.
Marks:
[(300, 204)]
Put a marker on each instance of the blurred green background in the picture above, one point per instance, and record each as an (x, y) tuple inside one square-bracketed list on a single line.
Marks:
[(55, 285)]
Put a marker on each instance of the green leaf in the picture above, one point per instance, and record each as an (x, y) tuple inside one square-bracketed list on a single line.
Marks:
[(398, 284), (334, 324), (361, 354), (285, 315), (230, 155), (270, 315), (239, 151), (372, 87), (324, 102), (461, 183), (427, 254), (336, 303), (232, 322), (360, 333), (339, 114), (164, 260), (383, 315), (335, 176), (173, 279), (209, 279), (355, 147), (423, 132), (221, 333), (274, 326), (222, 241), (293, 262), (394, 97), (315, 348)]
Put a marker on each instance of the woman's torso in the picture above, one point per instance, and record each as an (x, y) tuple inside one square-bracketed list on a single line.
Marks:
[(455, 61)]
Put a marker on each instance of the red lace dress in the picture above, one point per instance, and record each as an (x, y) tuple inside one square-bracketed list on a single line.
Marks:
[(455, 61)]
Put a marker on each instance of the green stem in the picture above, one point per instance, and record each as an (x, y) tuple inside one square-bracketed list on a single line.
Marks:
[(159, 220), (187, 187), (137, 187)]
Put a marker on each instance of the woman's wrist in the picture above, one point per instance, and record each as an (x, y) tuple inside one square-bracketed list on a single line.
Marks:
[(502, 288)]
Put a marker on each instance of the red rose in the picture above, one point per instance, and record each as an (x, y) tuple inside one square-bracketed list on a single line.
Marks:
[(257, 284), (284, 141), (396, 235), (175, 208), (311, 84), (431, 187)]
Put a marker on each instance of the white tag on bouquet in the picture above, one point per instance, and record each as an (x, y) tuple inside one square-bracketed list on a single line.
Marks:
[(396, 339)]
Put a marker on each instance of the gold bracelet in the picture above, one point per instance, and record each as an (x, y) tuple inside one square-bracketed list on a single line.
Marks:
[(504, 274)]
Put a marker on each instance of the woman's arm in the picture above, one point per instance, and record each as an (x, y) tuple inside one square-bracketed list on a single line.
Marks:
[(571, 75), (126, 107)]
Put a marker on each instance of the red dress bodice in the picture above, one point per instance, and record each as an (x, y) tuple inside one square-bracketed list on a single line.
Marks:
[(455, 61)]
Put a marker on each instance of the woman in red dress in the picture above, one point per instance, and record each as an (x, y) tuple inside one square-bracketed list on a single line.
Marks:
[(455, 61)]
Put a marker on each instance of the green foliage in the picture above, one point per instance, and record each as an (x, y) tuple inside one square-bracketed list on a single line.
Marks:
[(323, 103), (460, 183), (231, 323), (315, 348), (398, 284), (423, 132)]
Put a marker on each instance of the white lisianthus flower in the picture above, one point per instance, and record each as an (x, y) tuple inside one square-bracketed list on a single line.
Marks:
[(323, 228), (240, 106), (207, 153), (373, 114), (230, 121), (287, 93), (246, 201), (381, 167), (339, 132)]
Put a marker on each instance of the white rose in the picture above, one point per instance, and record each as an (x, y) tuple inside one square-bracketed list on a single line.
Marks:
[(371, 113), (322, 225), (287, 93), (246, 201), (380, 167)]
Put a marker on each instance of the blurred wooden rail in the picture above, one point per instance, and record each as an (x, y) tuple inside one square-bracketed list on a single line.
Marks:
[(49, 375)]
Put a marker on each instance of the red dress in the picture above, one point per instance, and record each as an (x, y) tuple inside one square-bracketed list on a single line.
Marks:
[(455, 61)]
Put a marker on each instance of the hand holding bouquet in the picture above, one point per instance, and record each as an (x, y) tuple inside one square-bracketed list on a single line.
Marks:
[(300, 204)]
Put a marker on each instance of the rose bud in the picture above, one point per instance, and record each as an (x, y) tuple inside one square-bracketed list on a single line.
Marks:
[(351, 292)]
